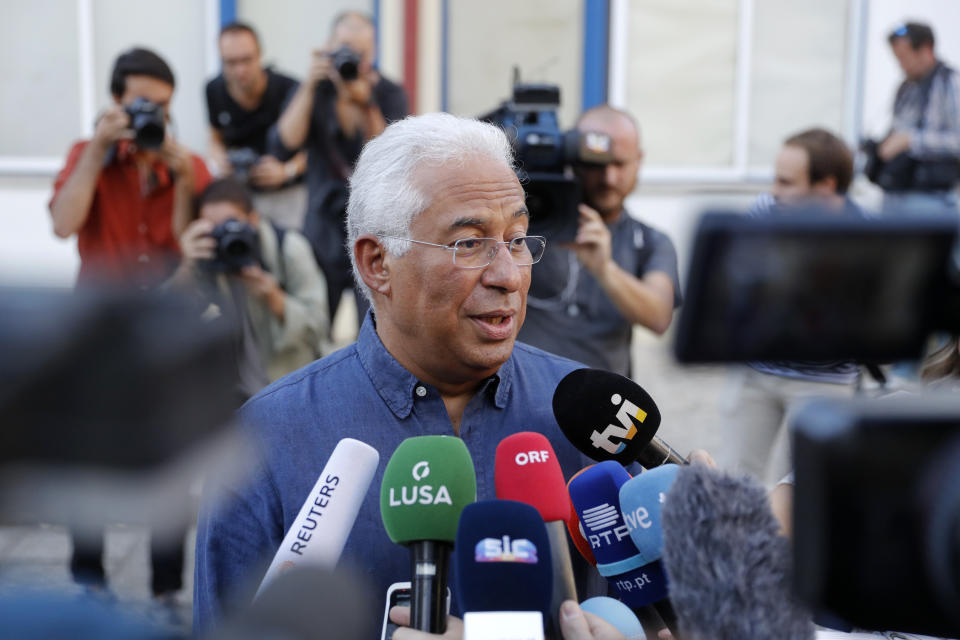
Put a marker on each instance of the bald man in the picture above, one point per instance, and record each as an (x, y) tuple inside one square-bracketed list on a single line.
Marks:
[(585, 297), (333, 117)]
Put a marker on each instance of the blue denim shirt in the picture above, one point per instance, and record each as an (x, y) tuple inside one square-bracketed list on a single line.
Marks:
[(362, 392)]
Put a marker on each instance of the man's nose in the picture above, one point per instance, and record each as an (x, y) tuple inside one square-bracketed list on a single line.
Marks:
[(610, 174), (503, 272)]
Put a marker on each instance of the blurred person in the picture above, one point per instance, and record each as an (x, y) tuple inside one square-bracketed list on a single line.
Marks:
[(243, 102), (333, 117), (812, 176), (922, 149), (127, 204), (277, 295), (437, 223), (585, 298)]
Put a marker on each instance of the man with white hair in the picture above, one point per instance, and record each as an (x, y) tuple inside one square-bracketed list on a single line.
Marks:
[(437, 232)]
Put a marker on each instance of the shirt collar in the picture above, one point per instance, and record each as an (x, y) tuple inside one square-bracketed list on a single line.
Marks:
[(397, 386), (126, 149)]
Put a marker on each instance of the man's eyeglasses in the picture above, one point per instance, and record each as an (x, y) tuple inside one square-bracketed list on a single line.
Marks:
[(476, 253)]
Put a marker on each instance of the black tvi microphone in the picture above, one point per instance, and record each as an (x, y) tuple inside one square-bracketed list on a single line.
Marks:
[(609, 417)]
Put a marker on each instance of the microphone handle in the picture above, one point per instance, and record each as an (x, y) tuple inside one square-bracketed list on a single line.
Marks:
[(668, 615), (658, 452), (429, 560), (564, 585)]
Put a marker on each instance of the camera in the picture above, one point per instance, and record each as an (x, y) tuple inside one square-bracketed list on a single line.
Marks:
[(242, 160), (877, 511), (238, 246), (906, 173), (347, 63), (544, 157), (147, 122)]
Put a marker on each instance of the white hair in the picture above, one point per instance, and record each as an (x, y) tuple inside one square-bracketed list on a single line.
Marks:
[(385, 192)]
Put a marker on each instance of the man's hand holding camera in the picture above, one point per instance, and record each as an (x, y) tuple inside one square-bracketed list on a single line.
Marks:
[(592, 244), (113, 126), (264, 287), (895, 144)]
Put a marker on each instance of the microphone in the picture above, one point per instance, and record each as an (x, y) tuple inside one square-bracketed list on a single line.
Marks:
[(427, 483), (609, 417), (730, 570), (575, 529), (502, 557), (641, 502), (617, 614), (321, 528), (595, 493), (526, 470)]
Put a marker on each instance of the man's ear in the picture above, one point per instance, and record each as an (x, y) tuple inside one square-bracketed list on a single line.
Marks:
[(372, 263), (825, 187)]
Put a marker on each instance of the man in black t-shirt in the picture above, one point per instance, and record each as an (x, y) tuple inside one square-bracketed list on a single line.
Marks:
[(333, 117), (243, 103)]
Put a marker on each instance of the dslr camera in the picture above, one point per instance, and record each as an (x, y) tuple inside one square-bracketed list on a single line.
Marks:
[(242, 160), (545, 155), (147, 122), (238, 246), (347, 63)]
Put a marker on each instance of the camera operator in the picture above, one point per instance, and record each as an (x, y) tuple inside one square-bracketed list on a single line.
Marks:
[(243, 103), (617, 273), (127, 192), (341, 104), (263, 276), (920, 157)]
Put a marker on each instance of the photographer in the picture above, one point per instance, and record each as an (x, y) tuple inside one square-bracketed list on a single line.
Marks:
[(341, 104), (918, 163), (127, 192), (267, 279), (618, 272), (243, 103)]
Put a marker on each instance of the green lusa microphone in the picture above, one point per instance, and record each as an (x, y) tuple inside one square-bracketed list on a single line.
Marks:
[(427, 483)]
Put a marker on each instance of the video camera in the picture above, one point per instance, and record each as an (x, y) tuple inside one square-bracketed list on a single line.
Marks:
[(877, 492), (147, 122), (544, 156)]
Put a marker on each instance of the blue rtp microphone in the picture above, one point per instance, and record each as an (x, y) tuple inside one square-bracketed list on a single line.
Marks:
[(502, 558), (596, 497)]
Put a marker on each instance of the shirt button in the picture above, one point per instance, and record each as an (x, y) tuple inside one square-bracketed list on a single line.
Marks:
[(421, 391), (142, 229), (144, 258)]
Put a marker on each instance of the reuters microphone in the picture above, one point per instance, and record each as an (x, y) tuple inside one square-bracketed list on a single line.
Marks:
[(609, 417), (427, 483), (527, 470), (503, 565), (575, 529), (320, 530), (641, 503)]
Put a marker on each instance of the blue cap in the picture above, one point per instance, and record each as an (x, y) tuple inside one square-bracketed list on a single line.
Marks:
[(641, 502)]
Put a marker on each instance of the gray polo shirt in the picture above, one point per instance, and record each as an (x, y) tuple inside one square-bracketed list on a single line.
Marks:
[(569, 314)]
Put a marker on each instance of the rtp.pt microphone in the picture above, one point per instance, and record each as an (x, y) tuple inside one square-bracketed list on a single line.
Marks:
[(596, 495), (527, 471), (317, 535), (427, 483), (503, 558), (609, 417)]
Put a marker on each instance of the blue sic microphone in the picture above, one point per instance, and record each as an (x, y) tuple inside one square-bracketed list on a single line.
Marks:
[(502, 558), (617, 614), (596, 497)]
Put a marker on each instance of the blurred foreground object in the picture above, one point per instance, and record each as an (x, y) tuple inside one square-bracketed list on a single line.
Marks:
[(877, 511), (809, 286), (105, 398)]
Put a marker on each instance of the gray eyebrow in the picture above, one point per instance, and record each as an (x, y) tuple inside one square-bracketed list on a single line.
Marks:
[(477, 222)]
